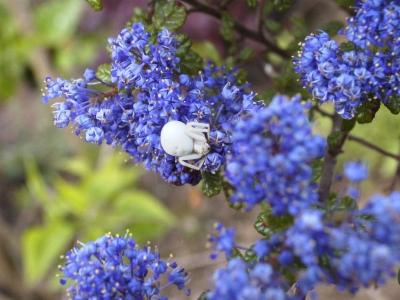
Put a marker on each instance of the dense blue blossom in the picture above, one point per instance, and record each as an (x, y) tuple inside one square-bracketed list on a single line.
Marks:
[(271, 154), (242, 281), (222, 240), (116, 268), (371, 70), (147, 90), (356, 171), (362, 250)]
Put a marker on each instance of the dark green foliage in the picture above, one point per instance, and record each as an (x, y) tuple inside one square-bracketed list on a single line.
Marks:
[(367, 111), (211, 184), (393, 104), (267, 224), (168, 14)]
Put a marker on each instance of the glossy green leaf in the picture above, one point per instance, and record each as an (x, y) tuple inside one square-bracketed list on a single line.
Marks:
[(42, 247), (57, 20), (97, 5), (268, 223), (211, 184), (393, 104), (367, 111), (168, 14)]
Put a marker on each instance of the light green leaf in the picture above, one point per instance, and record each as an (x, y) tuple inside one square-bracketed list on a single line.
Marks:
[(208, 51), (35, 182), (41, 248), (97, 5), (168, 14), (104, 72), (57, 20)]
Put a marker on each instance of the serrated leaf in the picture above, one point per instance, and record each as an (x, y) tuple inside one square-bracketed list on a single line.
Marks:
[(227, 30), (211, 184), (168, 14), (348, 124), (104, 72), (393, 104), (41, 247), (97, 5), (367, 111)]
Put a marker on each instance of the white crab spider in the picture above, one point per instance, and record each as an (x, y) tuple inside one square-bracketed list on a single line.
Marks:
[(188, 142)]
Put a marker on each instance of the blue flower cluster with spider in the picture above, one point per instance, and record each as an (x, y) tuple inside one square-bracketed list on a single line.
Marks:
[(117, 268), (272, 149), (147, 90), (370, 71)]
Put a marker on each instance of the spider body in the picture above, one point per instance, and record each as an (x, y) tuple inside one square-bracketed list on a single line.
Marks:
[(188, 142)]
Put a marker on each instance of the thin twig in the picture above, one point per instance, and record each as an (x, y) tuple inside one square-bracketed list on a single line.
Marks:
[(373, 147), (246, 32), (360, 140)]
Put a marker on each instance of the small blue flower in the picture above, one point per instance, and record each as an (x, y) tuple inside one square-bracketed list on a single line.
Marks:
[(356, 171), (116, 268)]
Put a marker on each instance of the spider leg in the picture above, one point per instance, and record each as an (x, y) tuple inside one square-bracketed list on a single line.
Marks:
[(197, 131), (183, 161)]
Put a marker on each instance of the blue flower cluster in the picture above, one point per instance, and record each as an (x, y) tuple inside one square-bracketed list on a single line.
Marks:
[(222, 240), (356, 171), (240, 281), (146, 91), (272, 149), (351, 78), (116, 268), (361, 250)]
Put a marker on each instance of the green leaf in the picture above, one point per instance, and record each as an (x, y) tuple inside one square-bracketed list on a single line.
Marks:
[(252, 3), (317, 169), (367, 111), (168, 14), (348, 124), (137, 210), (246, 54), (41, 248), (104, 72), (207, 51), (393, 104), (191, 63), (35, 182), (211, 184), (267, 224), (57, 20), (347, 46), (332, 27), (226, 29), (97, 5)]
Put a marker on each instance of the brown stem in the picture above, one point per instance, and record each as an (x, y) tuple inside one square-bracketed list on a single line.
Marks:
[(246, 32), (334, 149), (373, 147)]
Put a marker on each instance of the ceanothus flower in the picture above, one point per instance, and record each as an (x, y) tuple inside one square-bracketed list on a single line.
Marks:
[(117, 268), (222, 240), (245, 281), (146, 91), (272, 149), (356, 171), (358, 251), (370, 71)]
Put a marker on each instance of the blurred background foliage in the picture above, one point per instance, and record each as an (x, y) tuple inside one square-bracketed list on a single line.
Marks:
[(56, 190)]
